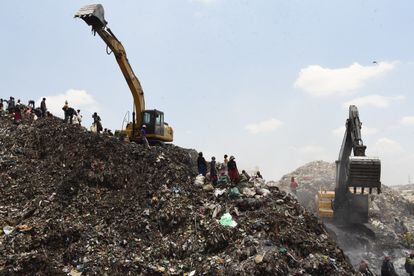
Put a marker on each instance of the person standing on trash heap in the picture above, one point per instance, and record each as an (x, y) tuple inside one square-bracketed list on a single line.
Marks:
[(10, 105), (97, 122), (17, 115), (19, 104), (1, 106), (213, 171), (387, 267), (78, 118), (225, 161), (409, 264), (65, 111), (144, 136), (293, 186), (258, 175), (201, 164), (31, 104), (364, 269), (43, 107), (232, 168)]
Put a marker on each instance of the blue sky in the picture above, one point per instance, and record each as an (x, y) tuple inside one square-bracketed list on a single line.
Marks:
[(266, 81)]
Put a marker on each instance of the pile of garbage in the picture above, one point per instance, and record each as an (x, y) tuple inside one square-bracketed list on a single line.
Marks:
[(74, 202), (390, 217), (406, 190)]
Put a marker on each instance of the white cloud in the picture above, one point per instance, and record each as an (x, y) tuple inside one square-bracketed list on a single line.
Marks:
[(407, 121), (320, 81), (385, 145), (78, 99), (373, 101), (264, 126)]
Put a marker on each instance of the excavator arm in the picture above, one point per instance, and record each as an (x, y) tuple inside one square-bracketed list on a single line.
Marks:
[(93, 15), (354, 174)]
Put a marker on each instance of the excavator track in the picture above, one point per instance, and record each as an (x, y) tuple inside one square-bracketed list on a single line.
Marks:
[(364, 172)]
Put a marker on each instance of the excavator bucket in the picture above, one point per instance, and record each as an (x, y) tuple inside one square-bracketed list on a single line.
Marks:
[(93, 15), (364, 173)]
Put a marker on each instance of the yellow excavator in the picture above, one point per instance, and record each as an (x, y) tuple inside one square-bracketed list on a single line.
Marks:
[(356, 177), (157, 130)]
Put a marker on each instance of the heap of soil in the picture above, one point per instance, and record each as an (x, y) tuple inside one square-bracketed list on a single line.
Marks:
[(75, 202)]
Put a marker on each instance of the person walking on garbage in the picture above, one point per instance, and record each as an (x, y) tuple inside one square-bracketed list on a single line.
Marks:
[(258, 175), (144, 136), (201, 164), (232, 168), (97, 122), (43, 107), (387, 267), (213, 171), (409, 264), (364, 269), (293, 186)]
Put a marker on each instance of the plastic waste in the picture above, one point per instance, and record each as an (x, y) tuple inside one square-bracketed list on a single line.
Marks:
[(199, 180), (218, 192), (227, 220), (8, 229), (234, 192)]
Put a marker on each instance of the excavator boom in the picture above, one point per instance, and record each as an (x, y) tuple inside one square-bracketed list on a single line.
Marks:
[(93, 15)]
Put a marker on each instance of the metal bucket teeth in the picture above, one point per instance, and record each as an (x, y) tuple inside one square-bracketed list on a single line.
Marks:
[(93, 15), (364, 172)]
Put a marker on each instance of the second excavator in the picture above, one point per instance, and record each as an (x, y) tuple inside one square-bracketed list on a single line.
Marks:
[(157, 130), (356, 177)]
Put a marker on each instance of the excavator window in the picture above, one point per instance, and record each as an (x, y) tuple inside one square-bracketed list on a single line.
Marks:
[(147, 118), (158, 119)]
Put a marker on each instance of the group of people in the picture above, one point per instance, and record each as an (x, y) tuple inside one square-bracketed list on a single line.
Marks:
[(19, 111), (227, 168), (387, 267)]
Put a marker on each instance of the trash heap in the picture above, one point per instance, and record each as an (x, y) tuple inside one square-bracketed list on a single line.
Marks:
[(406, 190), (390, 217), (74, 202)]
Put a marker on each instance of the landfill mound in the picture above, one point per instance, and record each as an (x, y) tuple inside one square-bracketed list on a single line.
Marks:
[(75, 202), (406, 190), (390, 217)]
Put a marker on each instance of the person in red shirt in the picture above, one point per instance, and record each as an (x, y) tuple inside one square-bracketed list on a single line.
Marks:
[(293, 185)]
